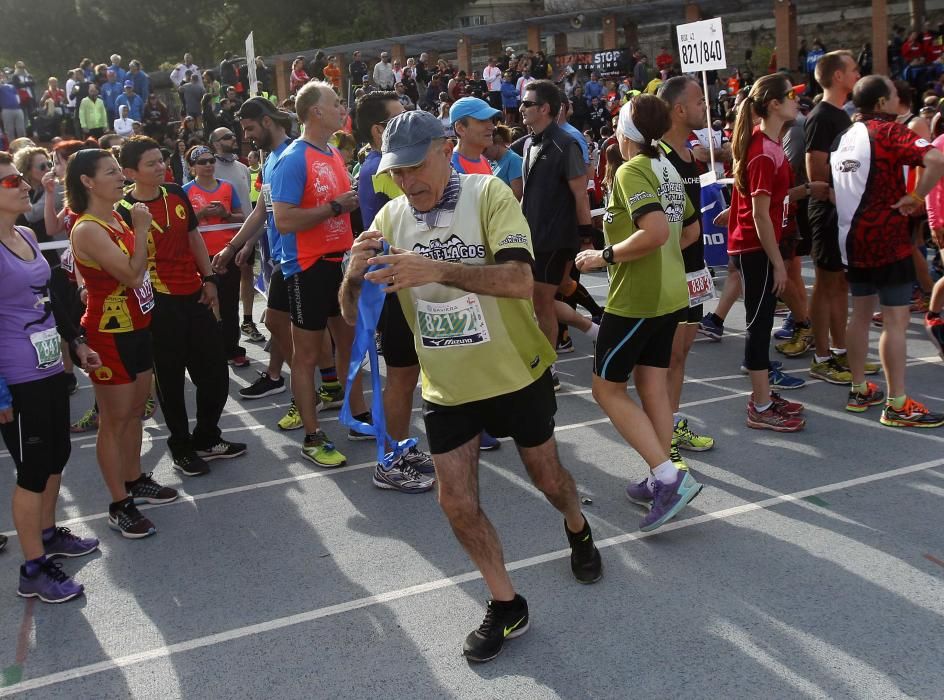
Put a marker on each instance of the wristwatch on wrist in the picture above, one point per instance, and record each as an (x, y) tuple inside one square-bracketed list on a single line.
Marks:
[(212, 278), (79, 340), (608, 255), (336, 208)]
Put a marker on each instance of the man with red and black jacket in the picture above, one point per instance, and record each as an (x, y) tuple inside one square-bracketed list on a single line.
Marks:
[(873, 206)]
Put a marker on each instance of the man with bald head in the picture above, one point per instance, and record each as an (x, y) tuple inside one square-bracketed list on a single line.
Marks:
[(311, 203)]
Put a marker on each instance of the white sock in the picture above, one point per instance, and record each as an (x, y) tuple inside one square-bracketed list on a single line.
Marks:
[(818, 359), (838, 351), (677, 417), (761, 409), (594, 331), (665, 472)]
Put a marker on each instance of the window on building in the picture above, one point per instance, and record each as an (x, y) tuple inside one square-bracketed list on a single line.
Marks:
[(473, 21)]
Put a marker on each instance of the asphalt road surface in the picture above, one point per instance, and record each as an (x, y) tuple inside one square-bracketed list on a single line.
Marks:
[(811, 566)]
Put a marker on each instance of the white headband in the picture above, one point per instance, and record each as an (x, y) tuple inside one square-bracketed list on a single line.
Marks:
[(628, 128)]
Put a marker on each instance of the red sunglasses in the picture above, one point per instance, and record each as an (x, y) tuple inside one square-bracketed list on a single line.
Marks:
[(12, 182)]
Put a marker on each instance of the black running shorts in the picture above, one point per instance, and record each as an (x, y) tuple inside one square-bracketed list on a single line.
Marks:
[(624, 343), (526, 415), (277, 299), (396, 338), (550, 266), (313, 294)]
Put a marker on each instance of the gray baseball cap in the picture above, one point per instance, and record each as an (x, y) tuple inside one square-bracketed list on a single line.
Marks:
[(406, 139)]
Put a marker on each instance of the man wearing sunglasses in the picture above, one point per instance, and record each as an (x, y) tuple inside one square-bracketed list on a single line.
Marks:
[(554, 201), (226, 148)]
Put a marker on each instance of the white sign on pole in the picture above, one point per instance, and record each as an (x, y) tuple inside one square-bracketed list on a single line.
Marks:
[(701, 46), (251, 66)]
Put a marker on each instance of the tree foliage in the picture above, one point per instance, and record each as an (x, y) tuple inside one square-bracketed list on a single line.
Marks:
[(52, 36)]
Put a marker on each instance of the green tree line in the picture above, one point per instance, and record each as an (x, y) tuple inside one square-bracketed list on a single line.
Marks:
[(52, 36)]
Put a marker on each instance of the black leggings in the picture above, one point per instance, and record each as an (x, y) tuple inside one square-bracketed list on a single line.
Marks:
[(38, 436), (757, 276)]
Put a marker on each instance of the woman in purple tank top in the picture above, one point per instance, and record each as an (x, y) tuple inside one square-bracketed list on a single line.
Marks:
[(34, 398)]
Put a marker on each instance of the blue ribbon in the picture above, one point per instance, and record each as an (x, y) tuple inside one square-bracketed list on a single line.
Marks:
[(369, 308)]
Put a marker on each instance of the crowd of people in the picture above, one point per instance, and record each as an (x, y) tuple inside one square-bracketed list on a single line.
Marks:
[(454, 222)]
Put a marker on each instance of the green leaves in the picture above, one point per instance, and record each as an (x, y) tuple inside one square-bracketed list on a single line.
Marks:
[(53, 36)]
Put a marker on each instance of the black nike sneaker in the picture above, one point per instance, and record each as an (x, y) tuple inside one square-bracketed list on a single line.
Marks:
[(585, 559), (503, 620)]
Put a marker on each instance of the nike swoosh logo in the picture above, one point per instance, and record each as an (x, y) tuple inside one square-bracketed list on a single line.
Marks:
[(509, 630)]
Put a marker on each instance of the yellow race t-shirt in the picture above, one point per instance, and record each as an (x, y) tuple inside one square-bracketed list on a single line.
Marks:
[(470, 346), (654, 285)]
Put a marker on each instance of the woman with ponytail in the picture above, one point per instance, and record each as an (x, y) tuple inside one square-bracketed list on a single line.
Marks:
[(648, 220), (760, 218)]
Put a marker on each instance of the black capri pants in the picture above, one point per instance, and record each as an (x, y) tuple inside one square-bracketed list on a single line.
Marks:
[(38, 437), (757, 275)]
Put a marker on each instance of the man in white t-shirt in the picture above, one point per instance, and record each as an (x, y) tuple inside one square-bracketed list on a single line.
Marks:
[(523, 82), (383, 73), (492, 75), (179, 75)]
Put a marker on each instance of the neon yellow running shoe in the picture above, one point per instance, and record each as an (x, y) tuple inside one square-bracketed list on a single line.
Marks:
[(676, 456), (689, 440), (148, 408), (331, 395), (86, 423), (292, 420), (318, 449), (870, 367)]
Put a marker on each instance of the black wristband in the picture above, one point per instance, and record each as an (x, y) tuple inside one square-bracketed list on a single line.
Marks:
[(212, 278), (77, 341)]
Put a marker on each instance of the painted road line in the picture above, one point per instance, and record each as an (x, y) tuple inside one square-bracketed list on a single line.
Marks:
[(184, 498), (280, 623)]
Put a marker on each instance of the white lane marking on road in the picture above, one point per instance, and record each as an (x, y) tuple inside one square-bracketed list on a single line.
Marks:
[(184, 498), (166, 651)]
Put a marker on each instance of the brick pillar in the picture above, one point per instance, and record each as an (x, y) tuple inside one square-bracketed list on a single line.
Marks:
[(631, 35), (918, 16), (495, 49), (282, 70), (464, 54), (398, 53), (880, 37), (785, 33), (692, 12), (609, 32), (534, 37), (560, 44)]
